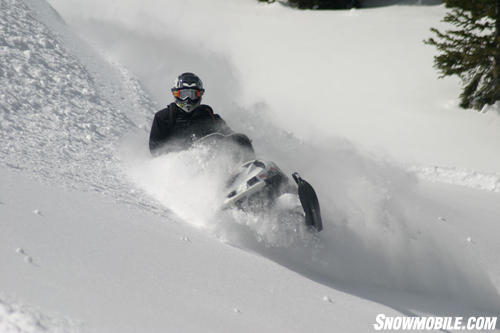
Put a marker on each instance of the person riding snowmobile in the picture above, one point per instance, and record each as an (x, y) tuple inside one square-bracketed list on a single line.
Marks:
[(186, 119)]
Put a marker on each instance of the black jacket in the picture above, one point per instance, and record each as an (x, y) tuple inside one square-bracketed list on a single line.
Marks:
[(174, 123)]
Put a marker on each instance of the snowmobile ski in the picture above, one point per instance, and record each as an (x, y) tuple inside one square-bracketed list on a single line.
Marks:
[(310, 203)]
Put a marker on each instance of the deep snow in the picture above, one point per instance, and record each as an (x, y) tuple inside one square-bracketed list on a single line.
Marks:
[(77, 121)]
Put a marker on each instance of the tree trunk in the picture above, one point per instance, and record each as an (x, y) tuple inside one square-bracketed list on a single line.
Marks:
[(497, 51)]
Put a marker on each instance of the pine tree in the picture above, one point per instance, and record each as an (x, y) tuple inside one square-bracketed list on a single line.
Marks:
[(472, 50)]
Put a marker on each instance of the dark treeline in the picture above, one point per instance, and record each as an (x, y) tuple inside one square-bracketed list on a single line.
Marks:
[(322, 4), (348, 4)]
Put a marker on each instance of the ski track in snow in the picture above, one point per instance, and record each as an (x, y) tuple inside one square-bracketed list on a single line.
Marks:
[(66, 124)]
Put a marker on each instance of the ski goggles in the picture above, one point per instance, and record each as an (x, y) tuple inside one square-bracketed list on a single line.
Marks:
[(186, 93)]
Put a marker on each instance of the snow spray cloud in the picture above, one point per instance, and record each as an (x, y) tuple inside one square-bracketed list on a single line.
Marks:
[(272, 48), (190, 183), (378, 229), (156, 59)]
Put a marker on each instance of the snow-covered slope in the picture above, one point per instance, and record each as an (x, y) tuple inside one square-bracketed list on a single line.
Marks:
[(112, 268), (98, 236), (56, 122)]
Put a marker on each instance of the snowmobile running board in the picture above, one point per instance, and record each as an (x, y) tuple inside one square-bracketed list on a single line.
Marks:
[(309, 202)]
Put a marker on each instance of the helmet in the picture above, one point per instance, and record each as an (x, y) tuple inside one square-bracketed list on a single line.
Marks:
[(187, 91)]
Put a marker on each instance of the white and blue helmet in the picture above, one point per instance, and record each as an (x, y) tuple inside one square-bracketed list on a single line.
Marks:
[(187, 91)]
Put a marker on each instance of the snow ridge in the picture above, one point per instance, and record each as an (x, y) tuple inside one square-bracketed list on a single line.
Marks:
[(54, 121), (61, 119)]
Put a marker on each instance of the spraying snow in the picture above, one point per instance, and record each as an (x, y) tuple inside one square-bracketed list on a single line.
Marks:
[(379, 230)]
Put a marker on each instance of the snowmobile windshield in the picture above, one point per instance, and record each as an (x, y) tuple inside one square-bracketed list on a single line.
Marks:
[(186, 93)]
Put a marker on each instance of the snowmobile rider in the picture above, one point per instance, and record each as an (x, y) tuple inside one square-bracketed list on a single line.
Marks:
[(186, 119)]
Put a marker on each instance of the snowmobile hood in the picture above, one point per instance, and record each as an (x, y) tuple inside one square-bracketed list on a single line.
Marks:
[(251, 178)]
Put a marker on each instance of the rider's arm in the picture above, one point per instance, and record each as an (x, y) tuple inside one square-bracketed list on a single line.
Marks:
[(160, 131)]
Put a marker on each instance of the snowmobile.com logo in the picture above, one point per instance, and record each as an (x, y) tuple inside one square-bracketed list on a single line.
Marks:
[(383, 322)]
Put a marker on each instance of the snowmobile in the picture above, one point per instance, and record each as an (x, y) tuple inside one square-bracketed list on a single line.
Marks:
[(260, 184)]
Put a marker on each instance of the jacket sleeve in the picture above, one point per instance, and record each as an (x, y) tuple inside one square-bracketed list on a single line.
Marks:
[(160, 132)]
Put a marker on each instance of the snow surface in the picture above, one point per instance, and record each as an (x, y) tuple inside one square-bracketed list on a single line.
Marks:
[(98, 236)]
